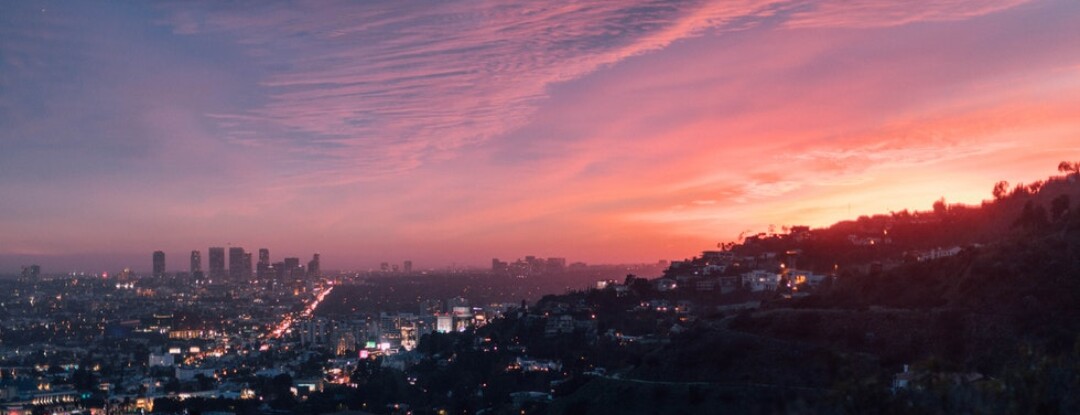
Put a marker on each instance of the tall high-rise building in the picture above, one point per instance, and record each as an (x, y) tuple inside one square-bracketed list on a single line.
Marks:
[(247, 265), (159, 264), (262, 269), (499, 266), (236, 263), (408, 267), (278, 271), (216, 263), (292, 268), (196, 263), (313, 268)]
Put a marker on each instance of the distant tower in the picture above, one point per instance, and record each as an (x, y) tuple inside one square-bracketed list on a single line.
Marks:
[(159, 264), (499, 266), (408, 267), (236, 263), (196, 264), (262, 269), (247, 266), (314, 270), (217, 263), (292, 267)]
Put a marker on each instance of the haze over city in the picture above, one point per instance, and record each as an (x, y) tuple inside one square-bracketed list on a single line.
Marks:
[(454, 132)]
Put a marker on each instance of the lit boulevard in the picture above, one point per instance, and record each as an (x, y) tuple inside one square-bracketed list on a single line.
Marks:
[(287, 320)]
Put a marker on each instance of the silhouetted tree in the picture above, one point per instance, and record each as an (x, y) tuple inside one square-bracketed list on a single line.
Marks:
[(1035, 187), (725, 246), (282, 395), (940, 208), (1001, 189), (436, 343), (1069, 168), (1020, 190)]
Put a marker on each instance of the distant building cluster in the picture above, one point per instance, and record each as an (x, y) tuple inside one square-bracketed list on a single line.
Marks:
[(388, 268), (241, 266), (533, 265)]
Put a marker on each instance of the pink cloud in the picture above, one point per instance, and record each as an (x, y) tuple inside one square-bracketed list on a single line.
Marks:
[(387, 89)]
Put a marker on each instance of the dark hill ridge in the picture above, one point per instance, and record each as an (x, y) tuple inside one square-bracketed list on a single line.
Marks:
[(1041, 205), (992, 329), (962, 309)]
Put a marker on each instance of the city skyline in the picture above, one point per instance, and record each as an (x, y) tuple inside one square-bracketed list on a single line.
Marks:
[(634, 132), (193, 267)]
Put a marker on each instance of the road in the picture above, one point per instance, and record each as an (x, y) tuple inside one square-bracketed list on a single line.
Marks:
[(288, 319)]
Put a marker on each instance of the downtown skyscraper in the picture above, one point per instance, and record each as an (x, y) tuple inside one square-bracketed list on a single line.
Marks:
[(314, 268), (262, 269), (217, 263), (159, 264), (236, 263), (196, 264)]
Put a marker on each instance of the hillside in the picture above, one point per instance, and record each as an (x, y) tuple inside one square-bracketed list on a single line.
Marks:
[(1038, 206), (961, 309), (992, 328)]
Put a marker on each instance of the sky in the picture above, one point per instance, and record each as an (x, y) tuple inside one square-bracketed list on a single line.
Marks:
[(452, 132)]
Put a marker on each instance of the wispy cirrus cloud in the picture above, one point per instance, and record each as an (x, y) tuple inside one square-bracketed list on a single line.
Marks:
[(877, 13), (381, 88), (369, 89)]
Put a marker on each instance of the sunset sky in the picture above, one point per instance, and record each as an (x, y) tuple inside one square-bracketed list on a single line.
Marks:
[(457, 131)]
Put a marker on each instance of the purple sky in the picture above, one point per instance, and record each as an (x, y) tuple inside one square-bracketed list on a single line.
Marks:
[(620, 131)]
